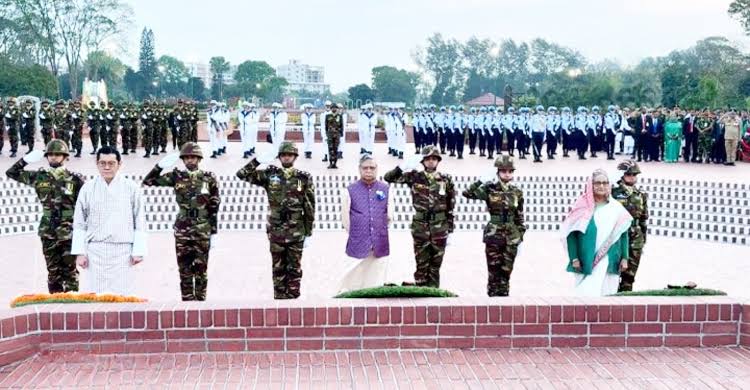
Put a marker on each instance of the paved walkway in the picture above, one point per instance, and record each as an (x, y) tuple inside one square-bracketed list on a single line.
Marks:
[(445, 369)]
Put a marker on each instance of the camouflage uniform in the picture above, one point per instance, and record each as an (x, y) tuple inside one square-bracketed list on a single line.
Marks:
[(133, 115), (505, 230), (193, 122), (12, 116), (433, 198), (47, 122), (75, 122), (112, 118), (103, 133), (28, 125), (147, 120), (334, 129), (635, 201), (705, 138), (62, 129), (126, 128), (197, 194), (57, 190), (94, 123), (162, 129), (2, 125), (291, 199)]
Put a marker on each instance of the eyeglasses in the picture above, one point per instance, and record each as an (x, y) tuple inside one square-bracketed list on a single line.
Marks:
[(601, 183), (107, 164)]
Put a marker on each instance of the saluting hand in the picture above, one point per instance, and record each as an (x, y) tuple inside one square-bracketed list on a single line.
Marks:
[(82, 261)]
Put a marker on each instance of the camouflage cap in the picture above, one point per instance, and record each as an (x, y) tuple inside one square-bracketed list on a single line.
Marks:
[(630, 167), (60, 102), (288, 148), (191, 149), (56, 146), (431, 151), (505, 162), (45, 101), (11, 100)]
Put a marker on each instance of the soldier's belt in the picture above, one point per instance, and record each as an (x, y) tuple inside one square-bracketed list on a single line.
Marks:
[(194, 213), (500, 219), (55, 214), (429, 216)]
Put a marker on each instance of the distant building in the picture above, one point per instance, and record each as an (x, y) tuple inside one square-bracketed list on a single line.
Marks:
[(303, 77), (203, 72)]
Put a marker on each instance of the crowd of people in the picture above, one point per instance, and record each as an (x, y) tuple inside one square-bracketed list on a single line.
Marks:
[(661, 134), (98, 226)]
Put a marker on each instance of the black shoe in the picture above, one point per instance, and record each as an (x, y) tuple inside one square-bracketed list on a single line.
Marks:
[(565, 155), (13, 153), (325, 158), (400, 155), (124, 152), (460, 156), (537, 160), (93, 152), (361, 150), (308, 155), (471, 152), (147, 155), (245, 155), (213, 155), (132, 151), (551, 158), (489, 157), (341, 155), (452, 155), (224, 149), (581, 157), (639, 160), (522, 157), (78, 154), (331, 166)]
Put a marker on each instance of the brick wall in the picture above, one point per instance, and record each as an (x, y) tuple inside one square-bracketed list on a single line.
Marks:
[(375, 324)]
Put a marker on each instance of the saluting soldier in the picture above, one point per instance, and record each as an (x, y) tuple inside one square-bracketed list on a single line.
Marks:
[(197, 195), (291, 200), (433, 198), (57, 189), (505, 230), (635, 200)]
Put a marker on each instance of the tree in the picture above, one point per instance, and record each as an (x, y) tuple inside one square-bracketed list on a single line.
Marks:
[(442, 61), (63, 31), (252, 77), (273, 89), (147, 66), (196, 89), (134, 84), (219, 67), (33, 80), (740, 10), (361, 93), (394, 85), (173, 75), (102, 66)]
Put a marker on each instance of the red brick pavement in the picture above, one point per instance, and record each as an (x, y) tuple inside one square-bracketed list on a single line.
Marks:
[(663, 368)]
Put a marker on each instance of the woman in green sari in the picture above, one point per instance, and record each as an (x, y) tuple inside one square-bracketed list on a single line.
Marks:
[(595, 236), (672, 137)]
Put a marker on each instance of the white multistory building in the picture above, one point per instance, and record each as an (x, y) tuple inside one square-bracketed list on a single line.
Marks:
[(303, 77)]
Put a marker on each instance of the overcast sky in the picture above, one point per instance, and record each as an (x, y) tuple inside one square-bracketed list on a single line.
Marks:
[(349, 38)]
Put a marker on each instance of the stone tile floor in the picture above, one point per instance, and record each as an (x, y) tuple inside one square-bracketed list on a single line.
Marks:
[(706, 368)]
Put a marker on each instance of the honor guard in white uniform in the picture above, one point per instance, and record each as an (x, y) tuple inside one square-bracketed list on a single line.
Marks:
[(214, 127), (538, 125), (594, 131), (611, 125), (277, 119), (553, 132), (323, 135), (566, 130), (243, 125), (580, 138), (401, 118), (307, 117), (506, 124)]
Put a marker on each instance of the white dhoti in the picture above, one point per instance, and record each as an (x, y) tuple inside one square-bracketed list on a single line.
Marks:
[(364, 273), (109, 269)]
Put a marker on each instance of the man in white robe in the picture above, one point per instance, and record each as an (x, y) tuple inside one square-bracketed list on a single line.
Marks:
[(109, 235)]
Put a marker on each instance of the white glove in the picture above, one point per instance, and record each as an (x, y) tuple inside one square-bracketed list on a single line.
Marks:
[(179, 117), (7, 115), (75, 116), (109, 117), (267, 157), (307, 242), (91, 117), (25, 115), (212, 242), (489, 177), (411, 163), (144, 116), (33, 156), (41, 116), (168, 160)]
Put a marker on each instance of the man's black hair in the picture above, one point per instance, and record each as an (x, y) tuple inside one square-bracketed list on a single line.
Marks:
[(108, 150)]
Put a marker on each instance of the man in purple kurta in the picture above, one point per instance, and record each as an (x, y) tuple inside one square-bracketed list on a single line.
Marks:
[(366, 213)]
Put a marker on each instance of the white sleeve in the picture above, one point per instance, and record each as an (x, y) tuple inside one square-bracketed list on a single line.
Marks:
[(139, 238), (345, 209), (80, 230)]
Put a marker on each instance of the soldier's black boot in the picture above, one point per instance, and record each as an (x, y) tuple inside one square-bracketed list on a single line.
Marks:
[(308, 155), (213, 155), (223, 150), (78, 153), (400, 155), (325, 158), (147, 155), (340, 155), (460, 156), (245, 154), (12, 153), (125, 152), (489, 155), (361, 150)]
